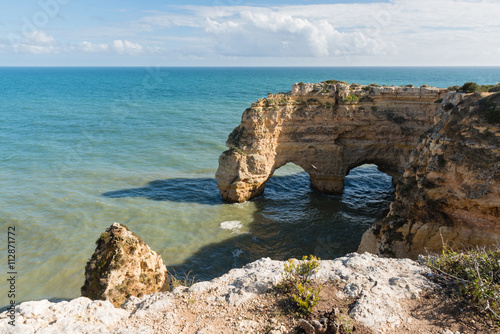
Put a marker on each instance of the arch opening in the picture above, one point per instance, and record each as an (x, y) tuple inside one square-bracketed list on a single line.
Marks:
[(368, 190), (294, 220), (288, 169)]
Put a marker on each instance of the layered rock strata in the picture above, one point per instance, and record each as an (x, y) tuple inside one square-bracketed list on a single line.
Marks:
[(123, 265), (327, 129), (450, 193), (440, 147)]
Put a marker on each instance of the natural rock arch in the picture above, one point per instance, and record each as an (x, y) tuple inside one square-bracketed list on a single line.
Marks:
[(327, 129)]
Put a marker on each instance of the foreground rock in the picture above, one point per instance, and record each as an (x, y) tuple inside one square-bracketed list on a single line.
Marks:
[(451, 188), (80, 315), (376, 285), (123, 265)]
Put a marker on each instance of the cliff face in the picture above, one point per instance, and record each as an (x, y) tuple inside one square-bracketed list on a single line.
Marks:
[(442, 150), (451, 188), (123, 265), (327, 129)]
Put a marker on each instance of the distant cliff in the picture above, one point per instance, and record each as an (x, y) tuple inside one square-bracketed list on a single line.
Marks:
[(331, 127)]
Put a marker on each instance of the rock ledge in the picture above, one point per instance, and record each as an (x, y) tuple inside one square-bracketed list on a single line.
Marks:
[(377, 285)]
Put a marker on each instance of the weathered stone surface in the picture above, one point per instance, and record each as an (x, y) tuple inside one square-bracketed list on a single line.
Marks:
[(327, 129), (376, 284), (123, 266), (451, 188), (80, 315)]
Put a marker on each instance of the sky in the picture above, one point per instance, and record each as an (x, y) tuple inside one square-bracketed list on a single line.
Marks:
[(250, 33)]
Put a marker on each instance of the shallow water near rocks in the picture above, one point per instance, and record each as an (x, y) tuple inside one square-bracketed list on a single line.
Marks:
[(82, 148)]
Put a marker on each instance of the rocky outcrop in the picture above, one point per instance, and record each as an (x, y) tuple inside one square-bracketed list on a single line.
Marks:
[(450, 193), (441, 149), (376, 286), (80, 315), (327, 129), (123, 265)]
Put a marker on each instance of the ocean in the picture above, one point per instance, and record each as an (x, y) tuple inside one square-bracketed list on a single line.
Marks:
[(82, 148)]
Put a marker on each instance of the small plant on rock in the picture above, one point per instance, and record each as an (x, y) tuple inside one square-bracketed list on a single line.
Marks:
[(297, 284), (350, 99), (474, 276), (177, 280)]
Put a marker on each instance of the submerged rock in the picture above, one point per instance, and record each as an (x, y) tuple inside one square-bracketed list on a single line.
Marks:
[(123, 265)]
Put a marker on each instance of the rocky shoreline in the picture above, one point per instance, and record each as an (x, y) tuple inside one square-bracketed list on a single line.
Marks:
[(375, 284), (440, 147)]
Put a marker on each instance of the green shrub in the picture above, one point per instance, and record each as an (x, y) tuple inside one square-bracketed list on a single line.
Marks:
[(494, 89), (297, 284), (346, 325), (469, 87), (454, 88), (350, 98), (474, 276), (490, 109)]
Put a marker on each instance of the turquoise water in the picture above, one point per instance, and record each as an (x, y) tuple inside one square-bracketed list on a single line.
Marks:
[(82, 148)]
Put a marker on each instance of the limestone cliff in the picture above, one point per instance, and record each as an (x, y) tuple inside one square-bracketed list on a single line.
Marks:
[(327, 129), (440, 147), (123, 265), (451, 188)]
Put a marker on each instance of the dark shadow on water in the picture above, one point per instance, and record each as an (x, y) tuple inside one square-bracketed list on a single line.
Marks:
[(290, 220), (201, 191)]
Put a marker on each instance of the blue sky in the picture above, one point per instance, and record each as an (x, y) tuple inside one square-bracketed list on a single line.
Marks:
[(249, 33)]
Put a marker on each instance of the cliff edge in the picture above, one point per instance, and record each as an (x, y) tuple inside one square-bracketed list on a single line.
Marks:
[(450, 192), (441, 149), (238, 302)]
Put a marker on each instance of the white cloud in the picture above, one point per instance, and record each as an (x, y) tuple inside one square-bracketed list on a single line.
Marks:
[(121, 47), (36, 42), (126, 47), (286, 32), (399, 32), (401, 28), (92, 48)]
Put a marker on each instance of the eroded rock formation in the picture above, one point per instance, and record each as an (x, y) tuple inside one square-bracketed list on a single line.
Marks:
[(442, 149), (451, 188), (123, 265), (327, 129)]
